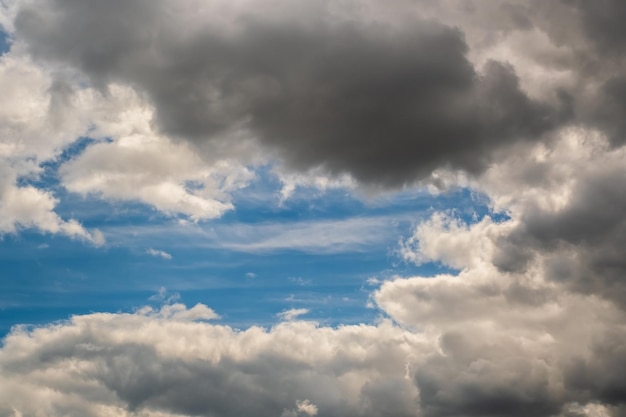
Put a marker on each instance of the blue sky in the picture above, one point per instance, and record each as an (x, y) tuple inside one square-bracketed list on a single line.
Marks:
[(316, 250), (319, 250)]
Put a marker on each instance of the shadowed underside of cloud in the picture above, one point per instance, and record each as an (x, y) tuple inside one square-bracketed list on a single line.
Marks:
[(386, 103), (471, 345)]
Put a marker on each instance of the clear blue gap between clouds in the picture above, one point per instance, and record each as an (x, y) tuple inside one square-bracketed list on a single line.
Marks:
[(48, 278), (4, 43)]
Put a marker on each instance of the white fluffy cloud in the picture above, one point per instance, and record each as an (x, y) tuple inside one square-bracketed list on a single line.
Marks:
[(33, 129), (42, 113), (167, 176), (159, 362)]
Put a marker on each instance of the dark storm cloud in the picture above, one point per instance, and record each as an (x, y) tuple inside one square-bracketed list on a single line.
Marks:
[(595, 33), (582, 242), (603, 22), (601, 375), (386, 103)]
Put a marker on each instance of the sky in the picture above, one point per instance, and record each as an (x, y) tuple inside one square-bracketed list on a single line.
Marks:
[(287, 208)]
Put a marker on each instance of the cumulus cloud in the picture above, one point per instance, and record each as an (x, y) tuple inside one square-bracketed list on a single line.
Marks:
[(146, 364), (567, 199), (510, 326), (33, 129), (338, 91), (509, 342), (141, 165), (303, 408), (29, 207), (45, 111), (470, 345), (364, 96)]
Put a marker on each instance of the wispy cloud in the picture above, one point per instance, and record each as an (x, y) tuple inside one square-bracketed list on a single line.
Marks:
[(159, 253), (327, 236), (356, 234), (292, 314), (164, 296)]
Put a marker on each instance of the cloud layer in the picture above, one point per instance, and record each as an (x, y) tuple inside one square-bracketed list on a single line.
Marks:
[(520, 101), (386, 102)]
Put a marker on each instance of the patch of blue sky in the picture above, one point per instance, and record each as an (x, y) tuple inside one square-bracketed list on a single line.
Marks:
[(315, 251), (48, 278), (5, 44)]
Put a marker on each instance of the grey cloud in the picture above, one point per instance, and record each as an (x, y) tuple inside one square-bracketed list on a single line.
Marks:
[(385, 103), (143, 364), (590, 36), (505, 357), (582, 243), (143, 379), (600, 373), (541, 335), (594, 31), (603, 22), (608, 107), (485, 379), (388, 104), (138, 365)]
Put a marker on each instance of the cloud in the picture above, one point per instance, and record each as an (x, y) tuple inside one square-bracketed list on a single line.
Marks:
[(156, 363), (509, 342), (44, 113), (303, 408), (378, 105), (567, 201), (324, 236), (313, 180), (307, 407), (33, 129), (165, 297), (179, 312), (446, 239), (292, 314), (29, 207), (525, 98), (277, 78), (140, 165), (486, 352), (158, 253), (510, 326), (356, 234)]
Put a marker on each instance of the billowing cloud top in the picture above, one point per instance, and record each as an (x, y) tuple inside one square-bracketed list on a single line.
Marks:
[(522, 101), (385, 101)]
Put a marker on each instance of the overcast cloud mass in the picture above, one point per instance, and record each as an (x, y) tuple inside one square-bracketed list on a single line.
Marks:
[(178, 105)]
